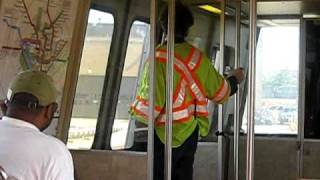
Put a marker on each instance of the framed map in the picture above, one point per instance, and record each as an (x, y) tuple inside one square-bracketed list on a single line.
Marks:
[(35, 34)]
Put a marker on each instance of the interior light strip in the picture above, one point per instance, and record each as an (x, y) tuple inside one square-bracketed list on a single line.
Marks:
[(311, 16), (210, 9)]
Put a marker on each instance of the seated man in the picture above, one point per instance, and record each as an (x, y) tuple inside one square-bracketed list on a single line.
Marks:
[(26, 152)]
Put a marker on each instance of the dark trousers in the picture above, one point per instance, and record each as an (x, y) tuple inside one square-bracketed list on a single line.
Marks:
[(182, 158)]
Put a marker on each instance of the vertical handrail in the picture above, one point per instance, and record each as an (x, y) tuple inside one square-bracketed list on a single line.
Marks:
[(301, 101), (169, 89), (153, 14), (236, 126), (251, 90), (220, 172)]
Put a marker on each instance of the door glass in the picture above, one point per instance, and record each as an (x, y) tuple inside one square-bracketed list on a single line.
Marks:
[(312, 93), (137, 51), (277, 68), (90, 80)]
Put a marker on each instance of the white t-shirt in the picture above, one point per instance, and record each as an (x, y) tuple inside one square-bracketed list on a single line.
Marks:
[(28, 154)]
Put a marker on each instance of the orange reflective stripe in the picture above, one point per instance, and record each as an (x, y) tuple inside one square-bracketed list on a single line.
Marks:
[(201, 109), (138, 112), (222, 92), (189, 58), (193, 85), (141, 107), (177, 91), (181, 93), (186, 105), (198, 63), (162, 123), (185, 71), (182, 110), (185, 112), (182, 120), (162, 119), (165, 52), (194, 60), (139, 98), (145, 102), (185, 77)]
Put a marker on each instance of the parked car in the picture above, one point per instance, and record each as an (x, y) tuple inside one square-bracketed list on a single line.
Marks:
[(263, 117), (287, 114)]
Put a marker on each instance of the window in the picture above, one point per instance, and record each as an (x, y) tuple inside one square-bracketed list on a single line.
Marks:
[(90, 81), (277, 68), (137, 51)]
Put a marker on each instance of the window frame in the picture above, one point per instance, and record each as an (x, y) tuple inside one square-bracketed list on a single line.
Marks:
[(114, 15), (142, 60)]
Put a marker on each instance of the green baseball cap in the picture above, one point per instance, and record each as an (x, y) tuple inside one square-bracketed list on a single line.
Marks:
[(37, 83)]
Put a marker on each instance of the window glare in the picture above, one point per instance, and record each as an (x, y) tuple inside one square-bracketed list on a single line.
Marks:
[(96, 17), (277, 68)]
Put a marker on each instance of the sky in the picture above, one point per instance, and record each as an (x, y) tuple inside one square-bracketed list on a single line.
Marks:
[(278, 49), (96, 16)]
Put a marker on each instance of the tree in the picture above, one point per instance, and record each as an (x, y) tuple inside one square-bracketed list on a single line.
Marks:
[(282, 84)]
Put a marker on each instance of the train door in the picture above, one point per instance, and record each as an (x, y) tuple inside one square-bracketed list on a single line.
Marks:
[(137, 53), (309, 98)]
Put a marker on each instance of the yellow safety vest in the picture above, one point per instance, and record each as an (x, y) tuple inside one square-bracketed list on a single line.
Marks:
[(195, 81)]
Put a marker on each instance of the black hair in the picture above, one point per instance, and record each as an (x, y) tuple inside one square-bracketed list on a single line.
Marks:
[(183, 20), (25, 102)]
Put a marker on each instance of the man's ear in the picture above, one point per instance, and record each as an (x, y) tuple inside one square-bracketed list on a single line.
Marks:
[(3, 107), (50, 110)]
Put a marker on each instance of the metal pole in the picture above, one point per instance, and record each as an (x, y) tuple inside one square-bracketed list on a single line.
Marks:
[(153, 12), (220, 110), (301, 101), (251, 90), (236, 126), (169, 89)]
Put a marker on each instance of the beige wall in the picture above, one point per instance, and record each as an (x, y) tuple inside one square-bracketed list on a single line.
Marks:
[(275, 159)]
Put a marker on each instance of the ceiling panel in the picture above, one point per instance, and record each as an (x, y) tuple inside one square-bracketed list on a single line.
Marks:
[(274, 8), (271, 7), (288, 7)]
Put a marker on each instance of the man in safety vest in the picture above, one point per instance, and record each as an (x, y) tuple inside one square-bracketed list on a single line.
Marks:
[(195, 81)]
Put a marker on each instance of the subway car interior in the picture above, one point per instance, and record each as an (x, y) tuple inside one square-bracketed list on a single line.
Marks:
[(269, 131)]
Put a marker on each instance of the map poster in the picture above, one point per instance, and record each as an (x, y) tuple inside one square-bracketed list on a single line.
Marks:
[(35, 34)]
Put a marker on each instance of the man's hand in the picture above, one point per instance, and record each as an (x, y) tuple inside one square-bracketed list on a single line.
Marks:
[(238, 74)]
